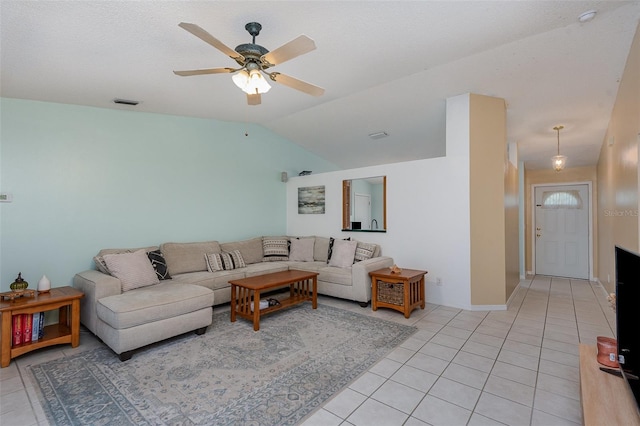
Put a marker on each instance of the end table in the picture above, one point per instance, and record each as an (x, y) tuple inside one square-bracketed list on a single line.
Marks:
[(403, 291), (65, 299)]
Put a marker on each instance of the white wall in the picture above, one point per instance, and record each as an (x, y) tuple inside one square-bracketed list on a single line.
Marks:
[(427, 212)]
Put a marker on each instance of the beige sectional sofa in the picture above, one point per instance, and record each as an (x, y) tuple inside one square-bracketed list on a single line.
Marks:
[(128, 310)]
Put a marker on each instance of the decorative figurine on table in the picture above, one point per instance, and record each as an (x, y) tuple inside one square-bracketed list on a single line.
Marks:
[(19, 285), (395, 269), (44, 285)]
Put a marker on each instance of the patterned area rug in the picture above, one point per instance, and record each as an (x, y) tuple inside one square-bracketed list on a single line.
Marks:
[(229, 376)]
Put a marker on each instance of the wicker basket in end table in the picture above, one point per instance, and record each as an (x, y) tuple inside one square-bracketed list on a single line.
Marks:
[(403, 291)]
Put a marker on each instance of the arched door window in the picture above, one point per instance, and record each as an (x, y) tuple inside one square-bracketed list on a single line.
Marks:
[(566, 199)]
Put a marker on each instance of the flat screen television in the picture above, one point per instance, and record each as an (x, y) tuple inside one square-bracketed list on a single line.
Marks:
[(628, 317)]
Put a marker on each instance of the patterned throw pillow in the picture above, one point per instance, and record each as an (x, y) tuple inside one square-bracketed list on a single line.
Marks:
[(225, 261), (275, 249), (364, 251), (101, 265), (159, 264), (331, 242)]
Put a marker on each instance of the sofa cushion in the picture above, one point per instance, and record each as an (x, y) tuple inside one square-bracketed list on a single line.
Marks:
[(188, 257), (275, 249), (159, 264), (321, 249), (330, 248), (335, 275), (251, 250), (134, 270), (302, 249), (343, 253), (211, 280), (314, 266), (151, 304), (364, 251), (224, 261), (102, 266), (264, 268)]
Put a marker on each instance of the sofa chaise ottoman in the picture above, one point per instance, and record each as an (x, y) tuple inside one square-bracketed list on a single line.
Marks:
[(128, 313)]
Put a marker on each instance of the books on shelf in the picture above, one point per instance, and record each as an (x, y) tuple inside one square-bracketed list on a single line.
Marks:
[(41, 324), (27, 328), (35, 327), (16, 329), (27, 324)]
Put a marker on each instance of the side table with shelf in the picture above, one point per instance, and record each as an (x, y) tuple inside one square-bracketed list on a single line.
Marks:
[(65, 299), (402, 291)]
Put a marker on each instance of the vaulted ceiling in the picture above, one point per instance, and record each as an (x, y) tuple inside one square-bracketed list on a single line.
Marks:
[(385, 66)]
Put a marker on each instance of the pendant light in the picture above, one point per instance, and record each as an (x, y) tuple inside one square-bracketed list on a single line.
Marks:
[(558, 161)]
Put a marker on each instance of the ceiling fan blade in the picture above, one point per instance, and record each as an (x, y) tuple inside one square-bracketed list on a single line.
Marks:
[(208, 38), (294, 83), (254, 99), (205, 71), (296, 47)]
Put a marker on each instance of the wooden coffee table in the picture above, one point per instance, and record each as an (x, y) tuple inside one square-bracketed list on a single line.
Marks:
[(245, 293), (65, 299)]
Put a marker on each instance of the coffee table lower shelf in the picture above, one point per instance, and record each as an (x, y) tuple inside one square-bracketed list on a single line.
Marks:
[(245, 293)]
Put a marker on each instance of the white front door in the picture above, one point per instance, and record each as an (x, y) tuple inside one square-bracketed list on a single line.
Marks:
[(562, 231)]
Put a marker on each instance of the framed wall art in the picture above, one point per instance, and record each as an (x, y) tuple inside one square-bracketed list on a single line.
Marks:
[(311, 200)]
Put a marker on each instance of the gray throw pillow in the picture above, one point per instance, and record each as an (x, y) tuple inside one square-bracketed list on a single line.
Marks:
[(343, 253)]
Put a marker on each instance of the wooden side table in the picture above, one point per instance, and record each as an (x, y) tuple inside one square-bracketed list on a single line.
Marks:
[(65, 299), (403, 291)]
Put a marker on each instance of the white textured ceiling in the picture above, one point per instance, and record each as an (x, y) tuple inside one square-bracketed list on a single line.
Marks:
[(386, 66)]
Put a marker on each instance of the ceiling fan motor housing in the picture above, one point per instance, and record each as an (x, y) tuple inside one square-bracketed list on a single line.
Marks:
[(252, 52)]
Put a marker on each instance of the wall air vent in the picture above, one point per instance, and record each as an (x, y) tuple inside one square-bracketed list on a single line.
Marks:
[(378, 135), (125, 102)]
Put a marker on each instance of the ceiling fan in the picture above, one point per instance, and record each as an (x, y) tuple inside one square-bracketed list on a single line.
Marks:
[(254, 60)]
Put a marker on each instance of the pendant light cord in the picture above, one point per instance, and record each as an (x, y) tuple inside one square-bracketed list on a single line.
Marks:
[(557, 129)]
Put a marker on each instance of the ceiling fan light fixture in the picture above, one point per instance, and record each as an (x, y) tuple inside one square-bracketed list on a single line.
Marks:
[(241, 78), (558, 161), (257, 83), (251, 82)]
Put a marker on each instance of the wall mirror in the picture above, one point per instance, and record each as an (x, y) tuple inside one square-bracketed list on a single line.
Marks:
[(364, 204)]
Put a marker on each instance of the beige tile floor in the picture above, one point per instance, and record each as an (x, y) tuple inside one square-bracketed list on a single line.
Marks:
[(512, 367)]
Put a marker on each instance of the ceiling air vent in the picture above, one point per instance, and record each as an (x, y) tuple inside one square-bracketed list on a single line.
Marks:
[(125, 102), (378, 135)]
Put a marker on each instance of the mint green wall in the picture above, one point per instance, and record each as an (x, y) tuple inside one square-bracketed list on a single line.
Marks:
[(86, 178)]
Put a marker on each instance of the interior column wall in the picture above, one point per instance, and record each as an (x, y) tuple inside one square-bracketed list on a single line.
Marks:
[(487, 156)]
